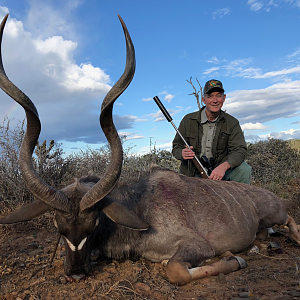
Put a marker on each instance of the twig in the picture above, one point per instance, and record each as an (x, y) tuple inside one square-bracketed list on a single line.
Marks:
[(53, 255), (118, 287), (196, 93)]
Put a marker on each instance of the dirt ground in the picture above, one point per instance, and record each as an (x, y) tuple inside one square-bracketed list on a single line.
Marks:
[(26, 250)]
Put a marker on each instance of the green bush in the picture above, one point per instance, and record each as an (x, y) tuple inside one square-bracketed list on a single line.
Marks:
[(274, 163)]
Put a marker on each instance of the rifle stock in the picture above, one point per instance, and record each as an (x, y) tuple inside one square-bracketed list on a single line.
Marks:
[(200, 168), (196, 161)]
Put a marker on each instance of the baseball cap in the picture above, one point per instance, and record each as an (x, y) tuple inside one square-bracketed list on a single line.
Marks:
[(213, 84)]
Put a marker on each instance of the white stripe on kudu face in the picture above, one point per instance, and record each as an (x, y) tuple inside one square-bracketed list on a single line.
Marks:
[(73, 248), (81, 244)]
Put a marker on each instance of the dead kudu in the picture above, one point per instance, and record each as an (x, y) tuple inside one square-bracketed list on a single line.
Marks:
[(165, 216)]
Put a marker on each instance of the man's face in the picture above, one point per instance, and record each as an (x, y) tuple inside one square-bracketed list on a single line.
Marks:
[(214, 101)]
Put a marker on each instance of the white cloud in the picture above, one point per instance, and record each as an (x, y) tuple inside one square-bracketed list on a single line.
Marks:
[(241, 68), (256, 6), (57, 45), (147, 99), (234, 68), (265, 5), (134, 118), (215, 60), (278, 73), (44, 20), (296, 53), (272, 3), (144, 150), (68, 74), (248, 73), (220, 13), (293, 2), (263, 105), (169, 98), (286, 135), (253, 126), (254, 138), (14, 28), (4, 9), (163, 93), (211, 70), (164, 146), (50, 75), (141, 120), (158, 116), (130, 136), (84, 77)]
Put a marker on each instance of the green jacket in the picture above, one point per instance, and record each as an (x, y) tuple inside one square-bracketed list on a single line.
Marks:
[(228, 145)]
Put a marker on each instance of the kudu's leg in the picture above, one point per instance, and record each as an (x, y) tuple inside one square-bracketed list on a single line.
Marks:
[(293, 229), (181, 267)]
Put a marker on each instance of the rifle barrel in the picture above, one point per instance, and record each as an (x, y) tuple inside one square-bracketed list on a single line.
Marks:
[(169, 119)]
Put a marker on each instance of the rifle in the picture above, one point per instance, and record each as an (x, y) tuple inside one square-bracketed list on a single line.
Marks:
[(202, 170)]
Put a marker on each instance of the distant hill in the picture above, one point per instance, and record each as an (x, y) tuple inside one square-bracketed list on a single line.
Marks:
[(295, 144)]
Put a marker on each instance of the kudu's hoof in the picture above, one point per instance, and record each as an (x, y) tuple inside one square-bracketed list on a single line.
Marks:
[(241, 261)]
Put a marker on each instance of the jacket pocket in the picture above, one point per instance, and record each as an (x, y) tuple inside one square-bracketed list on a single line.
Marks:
[(223, 140), (192, 139)]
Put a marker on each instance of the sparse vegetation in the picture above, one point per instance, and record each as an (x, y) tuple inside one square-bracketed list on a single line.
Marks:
[(295, 144), (12, 188), (275, 163)]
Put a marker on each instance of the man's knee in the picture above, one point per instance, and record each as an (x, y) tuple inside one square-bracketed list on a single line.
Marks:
[(242, 173)]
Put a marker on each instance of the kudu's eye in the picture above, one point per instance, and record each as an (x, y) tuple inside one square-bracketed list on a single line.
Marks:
[(97, 222)]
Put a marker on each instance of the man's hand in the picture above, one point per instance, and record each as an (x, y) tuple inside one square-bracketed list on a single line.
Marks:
[(219, 172), (187, 153)]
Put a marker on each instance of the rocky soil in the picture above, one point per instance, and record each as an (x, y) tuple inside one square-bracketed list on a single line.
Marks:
[(26, 251)]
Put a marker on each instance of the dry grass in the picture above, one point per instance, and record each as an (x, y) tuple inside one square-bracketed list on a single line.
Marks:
[(295, 144), (275, 164)]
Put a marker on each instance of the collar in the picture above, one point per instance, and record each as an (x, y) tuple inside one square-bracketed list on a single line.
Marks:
[(204, 118), (197, 115)]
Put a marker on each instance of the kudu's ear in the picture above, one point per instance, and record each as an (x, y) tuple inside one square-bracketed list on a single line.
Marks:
[(123, 216), (26, 213)]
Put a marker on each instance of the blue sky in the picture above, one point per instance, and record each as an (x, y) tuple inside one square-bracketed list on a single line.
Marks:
[(66, 55)]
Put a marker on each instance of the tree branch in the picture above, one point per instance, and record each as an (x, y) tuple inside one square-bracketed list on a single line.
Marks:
[(196, 93)]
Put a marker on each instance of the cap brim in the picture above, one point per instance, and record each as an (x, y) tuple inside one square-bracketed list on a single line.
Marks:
[(215, 89)]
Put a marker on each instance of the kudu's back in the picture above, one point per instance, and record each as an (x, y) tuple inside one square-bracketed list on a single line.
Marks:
[(225, 215)]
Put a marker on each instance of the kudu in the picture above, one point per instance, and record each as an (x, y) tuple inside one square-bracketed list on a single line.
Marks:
[(165, 216)]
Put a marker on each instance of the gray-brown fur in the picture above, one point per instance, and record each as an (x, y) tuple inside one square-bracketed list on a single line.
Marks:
[(224, 215)]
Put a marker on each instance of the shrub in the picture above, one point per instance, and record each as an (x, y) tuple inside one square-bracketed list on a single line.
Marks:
[(274, 162), (12, 187), (136, 166)]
